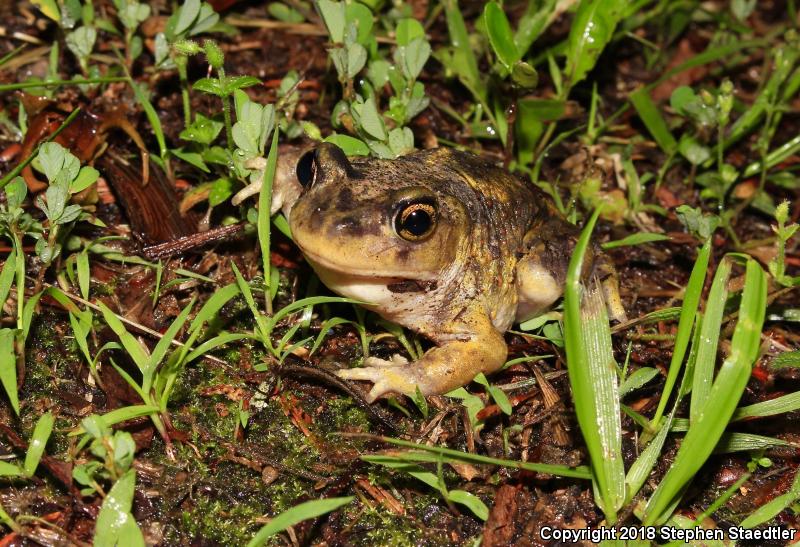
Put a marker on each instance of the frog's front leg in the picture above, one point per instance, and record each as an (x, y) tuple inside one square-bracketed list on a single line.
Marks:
[(452, 364), (286, 187)]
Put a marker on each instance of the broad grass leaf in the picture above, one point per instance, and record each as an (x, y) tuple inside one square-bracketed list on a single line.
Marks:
[(298, 513), (38, 442), (115, 524), (592, 29)]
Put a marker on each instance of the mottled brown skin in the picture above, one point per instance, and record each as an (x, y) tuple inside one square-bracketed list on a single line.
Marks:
[(497, 254)]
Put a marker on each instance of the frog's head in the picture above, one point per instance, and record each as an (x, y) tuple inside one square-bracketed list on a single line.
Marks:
[(374, 221)]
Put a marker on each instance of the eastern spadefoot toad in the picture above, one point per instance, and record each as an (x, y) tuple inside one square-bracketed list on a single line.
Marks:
[(439, 241)]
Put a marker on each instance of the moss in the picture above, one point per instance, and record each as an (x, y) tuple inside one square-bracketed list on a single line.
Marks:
[(217, 520), (380, 526), (285, 493), (288, 444), (342, 414)]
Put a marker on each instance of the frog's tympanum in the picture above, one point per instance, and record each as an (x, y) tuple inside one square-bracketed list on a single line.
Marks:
[(438, 241)]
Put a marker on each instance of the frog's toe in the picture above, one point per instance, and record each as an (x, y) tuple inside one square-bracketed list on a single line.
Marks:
[(386, 378), (396, 361)]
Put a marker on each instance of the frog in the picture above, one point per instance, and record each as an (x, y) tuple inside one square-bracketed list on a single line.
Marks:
[(439, 241)]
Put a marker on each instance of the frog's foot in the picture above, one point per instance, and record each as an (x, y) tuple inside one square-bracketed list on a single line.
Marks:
[(440, 370), (387, 376)]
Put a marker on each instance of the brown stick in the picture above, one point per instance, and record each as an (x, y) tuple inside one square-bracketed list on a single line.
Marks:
[(187, 243)]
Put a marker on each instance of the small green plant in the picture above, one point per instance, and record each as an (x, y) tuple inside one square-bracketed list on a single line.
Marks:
[(434, 480), (411, 462), (131, 13), (15, 223), (66, 178), (783, 233), (173, 47), (354, 48), (500, 112), (222, 86), (265, 324), (709, 132), (36, 449), (714, 396), (112, 453), (112, 459)]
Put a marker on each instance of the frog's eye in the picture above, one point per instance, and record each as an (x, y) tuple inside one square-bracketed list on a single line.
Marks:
[(416, 220), (307, 169)]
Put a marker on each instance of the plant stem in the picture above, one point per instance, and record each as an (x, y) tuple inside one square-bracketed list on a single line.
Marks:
[(19, 266), (6, 519), (226, 114), (181, 62), (56, 83), (226, 110)]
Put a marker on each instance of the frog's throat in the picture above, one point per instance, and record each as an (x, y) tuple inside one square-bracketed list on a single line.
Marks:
[(371, 290)]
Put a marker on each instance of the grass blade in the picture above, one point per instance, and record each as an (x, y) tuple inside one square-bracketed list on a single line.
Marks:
[(84, 277), (152, 116), (10, 470), (593, 377), (213, 343), (120, 415), (213, 305), (635, 239), (706, 359), (770, 510), (298, 513), (653, 120), (263, 326), (579, 472), (779, 405), (8, 367), (41, 433), (263, 223), (691, 300), (725, 393), (129, 342), (745, 442), (787, 359), (784, 60), (169, 335)]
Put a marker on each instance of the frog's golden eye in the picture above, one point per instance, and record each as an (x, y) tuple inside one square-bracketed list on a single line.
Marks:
[(415, 220)]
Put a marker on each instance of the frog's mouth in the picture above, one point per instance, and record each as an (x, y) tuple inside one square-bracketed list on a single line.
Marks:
[(352, 270), (378, 292)]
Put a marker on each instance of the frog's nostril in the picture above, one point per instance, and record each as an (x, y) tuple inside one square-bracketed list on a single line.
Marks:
[(350, 224)]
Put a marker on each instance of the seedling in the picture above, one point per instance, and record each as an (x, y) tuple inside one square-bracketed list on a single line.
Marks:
[(113, 453), (783, 233), (354, 48)]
